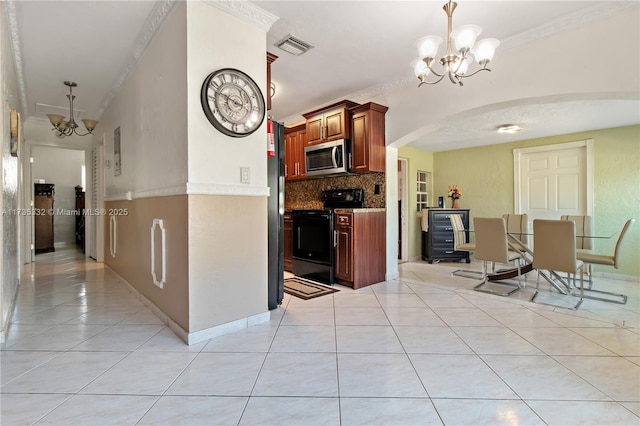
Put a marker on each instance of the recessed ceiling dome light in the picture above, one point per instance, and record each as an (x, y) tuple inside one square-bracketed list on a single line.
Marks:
[(509, 128)]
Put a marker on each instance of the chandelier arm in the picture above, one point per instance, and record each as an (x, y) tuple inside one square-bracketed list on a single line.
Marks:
[(474, 73), (434, 72), (455, 80), (81, 134), (432, 82)]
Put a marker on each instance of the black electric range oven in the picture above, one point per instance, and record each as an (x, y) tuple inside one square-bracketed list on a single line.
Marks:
[(314, 235)]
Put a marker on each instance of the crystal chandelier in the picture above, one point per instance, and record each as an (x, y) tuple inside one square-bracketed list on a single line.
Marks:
[(455, 62), (68, 127)]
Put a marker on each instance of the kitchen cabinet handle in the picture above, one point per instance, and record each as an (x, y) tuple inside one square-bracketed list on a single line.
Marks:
[(335, 238), (286, 170)]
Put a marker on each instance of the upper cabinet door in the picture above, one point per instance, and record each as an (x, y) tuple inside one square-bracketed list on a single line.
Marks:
[(315, 129), (368, 144), (329, 123)]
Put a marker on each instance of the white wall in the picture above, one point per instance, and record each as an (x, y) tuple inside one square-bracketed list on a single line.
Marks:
[(218, 40), (151, 111), (572, 64), (9, 184), (62, 167)]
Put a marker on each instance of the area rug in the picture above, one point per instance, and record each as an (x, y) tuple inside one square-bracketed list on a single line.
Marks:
[(305, 289)]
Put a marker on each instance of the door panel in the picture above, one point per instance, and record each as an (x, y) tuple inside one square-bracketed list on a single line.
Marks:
[(552, 181)]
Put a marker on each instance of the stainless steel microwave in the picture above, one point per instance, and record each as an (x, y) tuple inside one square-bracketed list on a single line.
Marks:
[(327, 158)]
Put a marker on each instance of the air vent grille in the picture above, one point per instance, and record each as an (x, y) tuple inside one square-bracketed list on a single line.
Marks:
[(293, 45)]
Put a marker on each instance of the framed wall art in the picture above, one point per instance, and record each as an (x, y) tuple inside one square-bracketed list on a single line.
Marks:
[(14, 143)]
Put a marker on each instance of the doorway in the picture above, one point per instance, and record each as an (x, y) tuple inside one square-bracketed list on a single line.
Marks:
[(554, 180), (57, 173)]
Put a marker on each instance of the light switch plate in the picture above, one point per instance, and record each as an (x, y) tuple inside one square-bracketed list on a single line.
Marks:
[(245, 176)]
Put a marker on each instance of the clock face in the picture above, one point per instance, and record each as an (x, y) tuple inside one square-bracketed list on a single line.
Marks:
[(232, 102)]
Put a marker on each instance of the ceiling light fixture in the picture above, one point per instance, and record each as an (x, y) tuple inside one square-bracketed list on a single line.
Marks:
[(509, 128), (455, 62), (69, 127)]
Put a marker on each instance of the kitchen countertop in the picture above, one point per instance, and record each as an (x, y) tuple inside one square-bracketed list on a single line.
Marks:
[(363, 210)]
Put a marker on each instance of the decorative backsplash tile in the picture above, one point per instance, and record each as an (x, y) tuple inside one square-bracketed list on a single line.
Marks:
[(305, 194)]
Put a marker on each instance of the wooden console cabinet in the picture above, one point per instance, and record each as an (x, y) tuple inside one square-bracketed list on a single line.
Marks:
[(43, 203), (360, 256), (437, 242)]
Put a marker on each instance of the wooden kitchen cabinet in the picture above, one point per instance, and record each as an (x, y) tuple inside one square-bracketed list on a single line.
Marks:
[(368, 138), (288, 242), (329, 123), (295, 139), (360, 253)]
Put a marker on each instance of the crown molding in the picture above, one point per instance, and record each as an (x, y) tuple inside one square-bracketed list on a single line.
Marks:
[(246, 11), (17, 53), (149, 30)]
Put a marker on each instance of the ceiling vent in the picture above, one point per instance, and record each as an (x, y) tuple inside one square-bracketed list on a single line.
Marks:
[(293, 45)]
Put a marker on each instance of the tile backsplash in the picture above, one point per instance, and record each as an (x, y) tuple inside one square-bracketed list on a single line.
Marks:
[(305, 194)]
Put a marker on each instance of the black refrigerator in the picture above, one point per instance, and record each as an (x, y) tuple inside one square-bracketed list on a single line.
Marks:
[(275, 181)]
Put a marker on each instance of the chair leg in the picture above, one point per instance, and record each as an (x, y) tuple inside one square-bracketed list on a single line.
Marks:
[(581, 290), (468, 273), (492, 288), (581, 296), (619, 298)]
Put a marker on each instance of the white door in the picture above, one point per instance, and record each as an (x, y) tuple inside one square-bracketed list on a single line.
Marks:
[(554, 180)]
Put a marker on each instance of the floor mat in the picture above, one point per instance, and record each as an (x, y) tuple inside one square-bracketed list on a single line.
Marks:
[(305, 289)]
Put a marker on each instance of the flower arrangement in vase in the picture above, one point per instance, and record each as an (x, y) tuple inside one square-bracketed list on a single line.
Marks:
[(454, 193)]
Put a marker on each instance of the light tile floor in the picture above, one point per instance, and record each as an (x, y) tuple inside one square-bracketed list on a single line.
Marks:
[(423, 349)]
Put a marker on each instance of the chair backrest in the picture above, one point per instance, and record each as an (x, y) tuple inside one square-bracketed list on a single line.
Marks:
[(625, 228), (491, 239), (459, 233), (518, 226), (584, 226), (554, 245)]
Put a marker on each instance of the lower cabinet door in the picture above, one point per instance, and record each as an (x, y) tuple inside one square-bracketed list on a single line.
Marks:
[(344, 254)]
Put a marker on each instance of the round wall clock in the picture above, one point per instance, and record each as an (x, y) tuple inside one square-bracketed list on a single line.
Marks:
[(232, 102)]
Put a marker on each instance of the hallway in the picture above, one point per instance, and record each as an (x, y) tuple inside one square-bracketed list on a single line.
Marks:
[(423, 349)]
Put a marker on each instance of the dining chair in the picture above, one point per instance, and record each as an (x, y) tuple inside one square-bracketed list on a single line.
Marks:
[(518, 228), (591, 258), (492, 246), (584, 227), (554, 250), (460, 243)]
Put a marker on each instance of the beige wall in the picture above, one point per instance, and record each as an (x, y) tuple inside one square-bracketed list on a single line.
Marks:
[(133, 251), (417, 159), (485, 176), (227, 259)]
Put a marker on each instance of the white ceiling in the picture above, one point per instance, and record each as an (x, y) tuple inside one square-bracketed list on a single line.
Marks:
[(361, 51)]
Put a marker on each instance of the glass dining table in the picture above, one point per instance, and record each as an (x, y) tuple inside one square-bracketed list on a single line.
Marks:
[(518, 242)]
